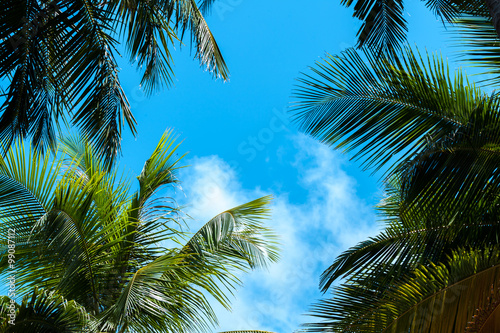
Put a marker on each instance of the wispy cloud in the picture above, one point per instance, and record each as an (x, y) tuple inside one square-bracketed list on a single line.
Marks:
[(331, 217)]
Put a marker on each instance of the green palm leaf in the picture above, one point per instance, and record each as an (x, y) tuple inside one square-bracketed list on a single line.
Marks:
[(440, 132), (480, 40), (233, 240), (384, 27), (83, 234), (58, 62), (436, 298), (44, 311)]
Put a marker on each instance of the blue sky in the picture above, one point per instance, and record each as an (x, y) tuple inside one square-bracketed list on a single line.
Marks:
[(242, 144)]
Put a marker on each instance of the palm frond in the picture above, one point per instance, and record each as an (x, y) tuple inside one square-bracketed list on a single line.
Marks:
[(238, 235), (80, 233), (442, 133), (440, 297), (207, 51), (404, 245), (29, 106), (90, 77), (44, 311), (149, 37), (384, 27), (379, 108), (205, 6), (482, 47), (450, 11), (233, 240), (155, 25), (58, 59), (151, 295), (161, 168)]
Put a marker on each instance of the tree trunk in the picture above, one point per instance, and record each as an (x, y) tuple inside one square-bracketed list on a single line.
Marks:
[(494, 8)]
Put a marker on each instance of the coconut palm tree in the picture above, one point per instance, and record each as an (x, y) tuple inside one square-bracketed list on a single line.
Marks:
[(384, 27), (92, 255), (58, 63), (435, 136)]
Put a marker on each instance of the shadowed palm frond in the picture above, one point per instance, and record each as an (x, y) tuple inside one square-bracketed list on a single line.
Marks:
[(58, 64), (384, 27), (406, 243), (45, 311), (152, 26), (206, 6), (450, 11)]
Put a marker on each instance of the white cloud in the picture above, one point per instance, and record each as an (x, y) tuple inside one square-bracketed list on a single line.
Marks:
[(331, 218), (211, 187)]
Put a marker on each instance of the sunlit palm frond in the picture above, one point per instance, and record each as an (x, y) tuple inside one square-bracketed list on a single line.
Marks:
[(440, 297), (440, 132), (238, 235), (159, 301), (27, 184), (189, 17), (175, 283), (251, 331), (379, 108), (83, 235), (152, 219), (161, 168)]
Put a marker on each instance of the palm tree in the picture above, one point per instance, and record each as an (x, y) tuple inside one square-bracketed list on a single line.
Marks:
[(435, 267), (90, 255), (384, 26), (58, 63)]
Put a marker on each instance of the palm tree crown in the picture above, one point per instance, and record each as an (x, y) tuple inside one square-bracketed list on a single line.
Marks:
[(93, 256), (435, 267), (58, 63)]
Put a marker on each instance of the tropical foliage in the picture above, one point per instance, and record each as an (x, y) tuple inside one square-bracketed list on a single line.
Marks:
[(58, 63), (93, 255), (384, 26), (436, 138)]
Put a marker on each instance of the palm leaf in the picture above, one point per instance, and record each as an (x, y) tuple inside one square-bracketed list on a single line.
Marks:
[(58, 59), (238, 235), (153, 25), (440, 132), (45, 311), (252, 331), (384, 27), (155, 301), (440, 297), (480, 40)]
